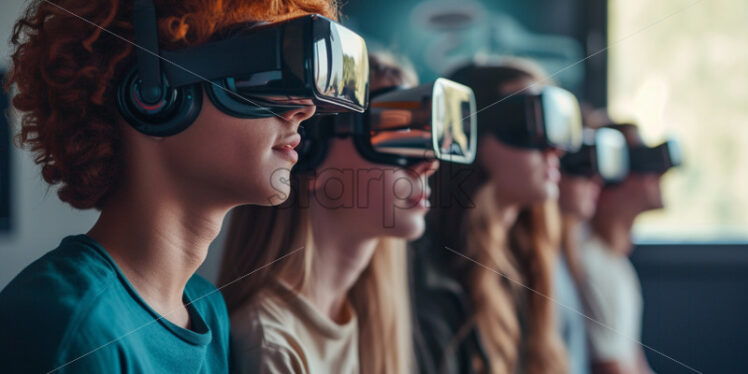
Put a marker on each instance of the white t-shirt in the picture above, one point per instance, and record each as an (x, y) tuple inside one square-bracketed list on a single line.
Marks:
[(282, 332), (570, 323), (612, 296)]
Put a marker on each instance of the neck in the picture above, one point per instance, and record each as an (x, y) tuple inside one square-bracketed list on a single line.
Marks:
[(569, 235), (507, 212), (158, 241), (340, 256), (614, 227)]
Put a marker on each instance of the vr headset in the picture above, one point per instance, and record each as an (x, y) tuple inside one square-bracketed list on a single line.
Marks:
[(657, 159), (548, 118), (603, 153), (255, 71), (401, 127)]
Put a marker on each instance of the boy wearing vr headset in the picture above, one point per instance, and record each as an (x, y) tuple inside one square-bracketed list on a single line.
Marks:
[(123, 127), (603, 158), (609, 283)]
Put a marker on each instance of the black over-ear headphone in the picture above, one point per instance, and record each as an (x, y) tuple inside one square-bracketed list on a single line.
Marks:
[(144, 98)]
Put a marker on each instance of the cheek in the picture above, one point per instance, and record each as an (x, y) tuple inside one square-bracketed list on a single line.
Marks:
[(588, 196), (405, 217), (577, 198), (643, 188), (580, 191), (246, 150), (233, 156), (360, 182), (521, 172), (396, 191), (402, 187), (572, 193), (373, 191), (656, 190), (232, 137)]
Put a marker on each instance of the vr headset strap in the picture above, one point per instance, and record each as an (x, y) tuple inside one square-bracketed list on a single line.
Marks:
[(225, 58), (148, 60)]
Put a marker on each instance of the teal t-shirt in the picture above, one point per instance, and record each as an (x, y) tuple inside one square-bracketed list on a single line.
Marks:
[(73, 311)]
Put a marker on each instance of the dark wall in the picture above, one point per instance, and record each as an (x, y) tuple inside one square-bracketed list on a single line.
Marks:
[(5, 167), (695, 303)]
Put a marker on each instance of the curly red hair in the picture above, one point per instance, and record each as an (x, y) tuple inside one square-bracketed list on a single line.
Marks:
[(65, 73)]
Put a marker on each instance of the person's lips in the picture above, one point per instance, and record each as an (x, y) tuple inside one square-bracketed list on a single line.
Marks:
[(286, 148), (553, 174), (420, 200)]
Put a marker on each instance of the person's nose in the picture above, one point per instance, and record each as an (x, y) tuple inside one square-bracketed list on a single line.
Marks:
[(558, 152), (296, 116), (426, 168), (553, 156)]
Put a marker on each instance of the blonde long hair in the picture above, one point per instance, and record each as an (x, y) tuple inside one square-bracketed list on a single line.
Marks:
[(523, 255), (258, 236)]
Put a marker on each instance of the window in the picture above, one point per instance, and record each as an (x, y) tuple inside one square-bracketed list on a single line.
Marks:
[(687, 76)]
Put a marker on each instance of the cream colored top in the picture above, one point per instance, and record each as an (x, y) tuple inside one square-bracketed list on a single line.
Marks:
[(282, 332)]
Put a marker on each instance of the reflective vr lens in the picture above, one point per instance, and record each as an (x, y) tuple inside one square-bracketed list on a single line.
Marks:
[(269, 69), (341, 66), (548, 119), (454, 122), (429, 121), (603, 153), (612, 155), (401, 127), (658, 159), (562, 118)]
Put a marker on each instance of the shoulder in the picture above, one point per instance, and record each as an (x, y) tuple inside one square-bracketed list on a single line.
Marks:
[(601, 267), (442, 309), (437, 295), (270, 359), (604, 288), (262, 338), (50, 302), (66, 279), (264, 320), (73, 270), (432, 280)]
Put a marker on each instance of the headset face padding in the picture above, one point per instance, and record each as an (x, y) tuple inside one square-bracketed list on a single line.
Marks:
[(235, 105), (172, 114)]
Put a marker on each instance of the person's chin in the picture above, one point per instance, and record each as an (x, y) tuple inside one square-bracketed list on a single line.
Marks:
[(587, 213), (270, 195), (550, 191), (409, 229), (416, 231), (276, 198), (278, 187), (657, 206)]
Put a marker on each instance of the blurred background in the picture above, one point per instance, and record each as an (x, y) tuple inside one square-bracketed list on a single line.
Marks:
[(677, 68)]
